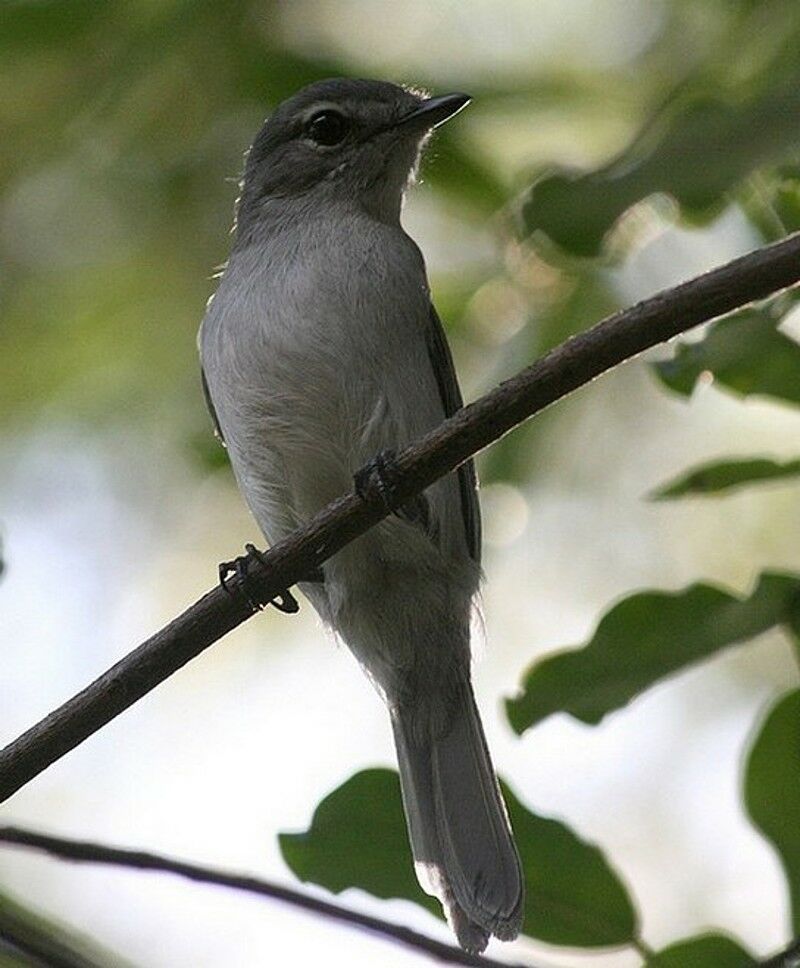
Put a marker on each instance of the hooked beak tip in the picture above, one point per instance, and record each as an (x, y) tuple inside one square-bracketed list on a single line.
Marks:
[(434, 111)]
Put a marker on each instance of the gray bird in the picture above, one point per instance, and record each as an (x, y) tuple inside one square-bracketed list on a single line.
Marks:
[(320, 350)]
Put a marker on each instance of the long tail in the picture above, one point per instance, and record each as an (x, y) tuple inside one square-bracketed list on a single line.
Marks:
[(463, 847)]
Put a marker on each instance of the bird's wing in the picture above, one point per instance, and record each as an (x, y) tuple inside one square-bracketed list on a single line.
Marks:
[(210, 405), (450, 394)]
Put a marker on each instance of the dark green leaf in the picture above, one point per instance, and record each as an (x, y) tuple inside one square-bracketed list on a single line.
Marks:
[(358, 839), (726, 475), (745, 353), (703, 951), (645, 638), (696, 152), (772, 789), (573, 896)]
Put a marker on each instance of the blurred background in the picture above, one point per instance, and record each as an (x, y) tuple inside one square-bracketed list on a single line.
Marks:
[(123, 130)]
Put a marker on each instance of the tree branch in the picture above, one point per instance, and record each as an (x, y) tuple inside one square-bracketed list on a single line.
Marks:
[(564, 369), (87, 852), (35, 945)]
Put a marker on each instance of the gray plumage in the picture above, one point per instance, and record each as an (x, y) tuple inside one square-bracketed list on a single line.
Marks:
[(319, 350)]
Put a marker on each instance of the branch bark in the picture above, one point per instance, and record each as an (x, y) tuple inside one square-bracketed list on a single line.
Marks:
[(569, 366), (86, 852)]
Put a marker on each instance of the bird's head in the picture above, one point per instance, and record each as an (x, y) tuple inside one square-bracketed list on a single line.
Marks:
[(341, 141)]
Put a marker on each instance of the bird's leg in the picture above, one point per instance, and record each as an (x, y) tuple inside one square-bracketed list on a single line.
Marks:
[(284, 601), (379, 475)]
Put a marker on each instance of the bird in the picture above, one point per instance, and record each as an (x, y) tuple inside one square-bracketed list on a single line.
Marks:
[(321, 355)]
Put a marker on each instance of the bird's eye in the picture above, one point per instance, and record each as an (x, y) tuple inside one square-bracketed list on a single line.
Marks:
[(327, 128)]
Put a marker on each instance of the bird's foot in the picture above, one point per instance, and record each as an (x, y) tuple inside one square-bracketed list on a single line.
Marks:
[(241, 568), (378, 477)]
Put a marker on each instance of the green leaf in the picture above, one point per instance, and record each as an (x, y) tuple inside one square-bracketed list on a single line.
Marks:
[(745, 353), (726, 475), (772, 789), (703, 951), (645, 638), (573, 896), (358, 839), (696, 152)]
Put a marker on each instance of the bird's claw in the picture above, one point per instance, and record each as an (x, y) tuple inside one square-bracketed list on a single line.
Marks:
[(378, 477), (240, 567), (285, 602)]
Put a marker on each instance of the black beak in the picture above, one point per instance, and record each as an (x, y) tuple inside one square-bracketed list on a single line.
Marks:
[(435, 111)]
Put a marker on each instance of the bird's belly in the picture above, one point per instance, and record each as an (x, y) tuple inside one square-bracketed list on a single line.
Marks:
[(304, 400)]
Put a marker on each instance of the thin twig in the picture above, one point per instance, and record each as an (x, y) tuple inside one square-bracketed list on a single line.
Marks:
[(566, 368), (92, 853)]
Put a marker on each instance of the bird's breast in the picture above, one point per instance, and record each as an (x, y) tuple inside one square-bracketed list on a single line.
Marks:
[(323, 331)]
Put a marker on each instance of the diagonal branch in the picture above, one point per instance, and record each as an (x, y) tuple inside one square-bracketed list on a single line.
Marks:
[(566, 368), (92, 853), (23, 942)]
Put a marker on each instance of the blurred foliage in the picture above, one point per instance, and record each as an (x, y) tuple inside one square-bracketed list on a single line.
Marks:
[(645, 638), (730, 116), (726, 475), (703, 951), (571, 302), (358, 838), (696, 154), (29, 939), (771, 199), (772, 789), (122, 125), (744, 353)]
